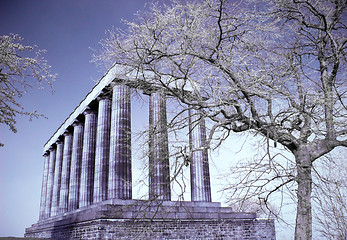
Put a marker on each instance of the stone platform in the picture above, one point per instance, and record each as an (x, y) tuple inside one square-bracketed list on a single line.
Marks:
[(138, 219)]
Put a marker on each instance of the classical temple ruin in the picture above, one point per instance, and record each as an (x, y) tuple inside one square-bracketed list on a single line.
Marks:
[(87, 179)]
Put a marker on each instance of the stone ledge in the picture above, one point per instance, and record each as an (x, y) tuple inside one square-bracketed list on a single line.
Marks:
[(139, 210)]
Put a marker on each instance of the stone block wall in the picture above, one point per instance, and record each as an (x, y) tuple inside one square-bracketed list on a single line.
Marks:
[(140, 219), (190, 229)]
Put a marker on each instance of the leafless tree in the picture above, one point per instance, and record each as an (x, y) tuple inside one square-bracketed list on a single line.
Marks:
[(330, 196), (272, 68), (20, 65), (265, 178)]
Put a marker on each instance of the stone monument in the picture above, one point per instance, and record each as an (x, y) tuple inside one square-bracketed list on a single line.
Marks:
[(87, 179)]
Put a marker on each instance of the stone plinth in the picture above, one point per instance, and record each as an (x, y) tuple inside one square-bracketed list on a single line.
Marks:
[(135, 219)]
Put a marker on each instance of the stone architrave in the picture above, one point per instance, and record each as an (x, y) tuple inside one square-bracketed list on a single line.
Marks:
[(159, 169), (57, 178), (199, 168), (50, 180), (88, 158), (44, 186), (119, 182), (102, 151), (65, 175), (75, 170)]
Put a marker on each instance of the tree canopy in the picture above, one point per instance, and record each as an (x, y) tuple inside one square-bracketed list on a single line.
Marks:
[(273, 67)]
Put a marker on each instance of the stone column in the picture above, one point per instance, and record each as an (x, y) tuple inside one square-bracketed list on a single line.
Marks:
[(44, 186), (102, 151), (57, 178), (65, 176), (199, 167), (50, 179), (88, 158), (119, 182), (76, 159), (159, 167)]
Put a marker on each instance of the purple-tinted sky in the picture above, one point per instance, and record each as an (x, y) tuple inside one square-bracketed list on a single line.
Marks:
[(67, 30)]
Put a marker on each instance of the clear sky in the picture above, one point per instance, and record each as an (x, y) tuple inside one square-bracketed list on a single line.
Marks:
[(67, 30)]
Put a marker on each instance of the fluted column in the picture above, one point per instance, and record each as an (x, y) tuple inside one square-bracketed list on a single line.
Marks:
[(50, 179), (159, 171), (44, 186), (102, 149), (88, 158), (57, 178), (76, 159), (199, 168), (119, 184), (65, 176)]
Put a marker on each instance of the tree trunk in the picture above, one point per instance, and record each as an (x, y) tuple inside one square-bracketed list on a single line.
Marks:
[(303, 228)]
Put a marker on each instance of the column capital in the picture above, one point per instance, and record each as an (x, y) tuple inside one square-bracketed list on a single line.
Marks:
[(51, 148), (67, 133), (59, 141), (116, 82), (103, 96), (88, 110), (153, 89), (46, 153), (76, 123)]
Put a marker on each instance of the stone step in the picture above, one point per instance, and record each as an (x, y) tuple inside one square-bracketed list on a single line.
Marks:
[(145, 210)]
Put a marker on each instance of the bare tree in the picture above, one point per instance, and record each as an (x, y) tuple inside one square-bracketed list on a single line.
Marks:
[(266, 180), (330, 196), (274, 68), (19, 66)]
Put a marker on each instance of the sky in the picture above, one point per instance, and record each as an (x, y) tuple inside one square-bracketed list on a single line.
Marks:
[(68, 30)]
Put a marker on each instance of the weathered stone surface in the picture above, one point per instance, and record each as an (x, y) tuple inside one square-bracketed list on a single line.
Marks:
[(102, 149), (65, 175), (57, 178), (88, 159), (119, 178), (159, 172), (50, 181), (199, 167), (76, 159), (134, 219), (237, 229), (44, 186)]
